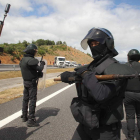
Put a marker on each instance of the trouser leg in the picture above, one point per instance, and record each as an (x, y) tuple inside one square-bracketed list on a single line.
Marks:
[(138, 124), (129, 104), (80, 134), (25, 102), (110, 132), (107, 132), (33, 99), (138, 110), (83, 133), (131, 128)]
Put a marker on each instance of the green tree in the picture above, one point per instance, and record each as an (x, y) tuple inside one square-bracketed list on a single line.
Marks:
[(58, 42), (9, 50), (41, 52), (40, 42), (53, 43), (25, 43), (6, 44), (65, 43), (33, 42)]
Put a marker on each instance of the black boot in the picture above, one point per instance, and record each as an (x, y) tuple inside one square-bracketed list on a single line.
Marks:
[(24, 118), (130, 136), (32, 122)]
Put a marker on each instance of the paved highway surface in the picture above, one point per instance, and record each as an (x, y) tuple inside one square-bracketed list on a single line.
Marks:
[(18, 81), (52, 113)]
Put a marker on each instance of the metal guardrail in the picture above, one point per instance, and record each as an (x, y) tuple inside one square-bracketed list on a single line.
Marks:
[(8, 66), (14, 67)]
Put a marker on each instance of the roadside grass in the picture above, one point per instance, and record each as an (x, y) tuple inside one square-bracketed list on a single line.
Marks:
[(13, 74), (16, 92), (12, 93)]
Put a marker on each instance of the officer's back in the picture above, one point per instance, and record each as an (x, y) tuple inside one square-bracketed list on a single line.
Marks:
[(132, 94), (31, 72)]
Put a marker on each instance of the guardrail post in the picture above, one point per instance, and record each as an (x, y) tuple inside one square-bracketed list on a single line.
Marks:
[(14, 67)]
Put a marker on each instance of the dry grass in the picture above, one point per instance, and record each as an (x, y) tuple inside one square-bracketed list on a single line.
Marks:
[(10, 94), (13, 74)]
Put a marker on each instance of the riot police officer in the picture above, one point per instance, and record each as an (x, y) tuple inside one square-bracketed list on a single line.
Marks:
[(99, 105), (132, 95), (31, 71)]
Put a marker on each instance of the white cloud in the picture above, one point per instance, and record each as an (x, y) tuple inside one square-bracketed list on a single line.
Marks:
[(43, 10), (70, 21), (122, 56)]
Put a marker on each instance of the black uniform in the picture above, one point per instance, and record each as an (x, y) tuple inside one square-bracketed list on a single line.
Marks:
[(108, 95), (99, 106), (132, 101), (30, 72)]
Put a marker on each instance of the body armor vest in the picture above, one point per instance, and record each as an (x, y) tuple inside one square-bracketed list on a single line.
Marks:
[(112, 110), (28, 73), (134, 84)]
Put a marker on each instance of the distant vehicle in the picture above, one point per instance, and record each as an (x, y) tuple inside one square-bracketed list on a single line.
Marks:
[(74, 64), (59, 61), (79, 65), (67, 63)]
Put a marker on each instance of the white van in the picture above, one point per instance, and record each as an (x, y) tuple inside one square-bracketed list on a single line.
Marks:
[(74, 64), (67, 63), (59, 61)]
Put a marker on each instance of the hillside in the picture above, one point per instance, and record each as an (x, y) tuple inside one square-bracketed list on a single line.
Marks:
[(71, 54)]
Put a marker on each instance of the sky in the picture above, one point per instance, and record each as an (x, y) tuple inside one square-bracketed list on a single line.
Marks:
[(70, 21)]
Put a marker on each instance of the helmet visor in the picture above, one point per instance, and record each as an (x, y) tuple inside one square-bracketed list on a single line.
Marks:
[(98, 34)]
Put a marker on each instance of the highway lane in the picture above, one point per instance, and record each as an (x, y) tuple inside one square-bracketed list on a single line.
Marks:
[(54, 116), (18, 81)]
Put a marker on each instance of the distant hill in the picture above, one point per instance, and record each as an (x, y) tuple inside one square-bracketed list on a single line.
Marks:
[(70, 53)]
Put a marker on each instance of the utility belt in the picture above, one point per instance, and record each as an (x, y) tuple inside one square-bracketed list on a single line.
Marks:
[(33, 81)]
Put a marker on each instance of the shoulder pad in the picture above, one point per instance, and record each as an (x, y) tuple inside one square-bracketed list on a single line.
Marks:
[(33, 62), (117, 68)]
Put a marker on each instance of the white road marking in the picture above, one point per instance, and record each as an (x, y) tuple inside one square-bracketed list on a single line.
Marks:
[(18, 114)]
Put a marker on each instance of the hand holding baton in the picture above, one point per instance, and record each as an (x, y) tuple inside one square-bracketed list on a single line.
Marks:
[(103, 77)]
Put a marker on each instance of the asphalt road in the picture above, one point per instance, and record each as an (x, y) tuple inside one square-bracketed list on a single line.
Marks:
[(52, 113), (18, 81), (54, 116)]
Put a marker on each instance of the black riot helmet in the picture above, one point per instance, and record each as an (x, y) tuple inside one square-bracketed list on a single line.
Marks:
[(133, 55), (31, 49), (103, 36)]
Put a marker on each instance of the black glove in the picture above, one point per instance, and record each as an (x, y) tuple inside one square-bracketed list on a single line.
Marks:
[(65, 75), (40, 74), (42, 62), (81, 70)]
